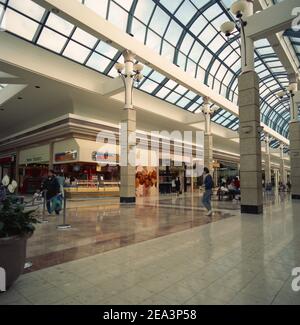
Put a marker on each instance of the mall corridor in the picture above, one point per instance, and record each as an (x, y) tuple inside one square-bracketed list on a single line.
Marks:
[(159, 142), (165, 252)]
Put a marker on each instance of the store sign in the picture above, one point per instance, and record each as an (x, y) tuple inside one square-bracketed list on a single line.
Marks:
[(104, 157), (36, 155), (66, 156), (34, 160)]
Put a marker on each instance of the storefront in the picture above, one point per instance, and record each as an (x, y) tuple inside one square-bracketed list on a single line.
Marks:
[(33, 168), (86, 161), (225, 171), (89, 165)]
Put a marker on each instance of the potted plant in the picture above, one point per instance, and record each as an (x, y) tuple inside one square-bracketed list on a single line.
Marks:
[(16, 226)]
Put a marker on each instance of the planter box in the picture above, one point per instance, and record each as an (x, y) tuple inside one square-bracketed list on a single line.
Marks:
[(12, 257)]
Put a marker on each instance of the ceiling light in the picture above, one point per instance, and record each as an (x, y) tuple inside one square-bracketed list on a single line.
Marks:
[(119, 67), (238, 7), (227, 28), (281, 94)]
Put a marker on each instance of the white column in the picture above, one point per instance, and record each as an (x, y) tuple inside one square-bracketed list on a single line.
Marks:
[(128, 135), (208, 141), (247, 44), (267, 160), (276, 173), (294, 143), (249, 133), (282, 165)]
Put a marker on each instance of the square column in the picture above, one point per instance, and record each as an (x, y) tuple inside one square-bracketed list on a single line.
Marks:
[(208, 151), (208, 139), (282, 166), (127, 156), (268, 177), (295, 158), (250, 145)]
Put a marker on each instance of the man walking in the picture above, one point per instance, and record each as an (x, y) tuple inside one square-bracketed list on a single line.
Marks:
[(208, 186), (52, 187)]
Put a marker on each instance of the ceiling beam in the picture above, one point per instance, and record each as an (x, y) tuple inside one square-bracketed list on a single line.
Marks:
[(31, 62), (280, 44), (272, 20)]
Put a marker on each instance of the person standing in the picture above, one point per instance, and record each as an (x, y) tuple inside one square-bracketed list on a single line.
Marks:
[(208, 186), (52, 188)]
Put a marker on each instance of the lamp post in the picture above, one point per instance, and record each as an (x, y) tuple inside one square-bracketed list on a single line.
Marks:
[(130, 76), (290, 93), (241, 9)]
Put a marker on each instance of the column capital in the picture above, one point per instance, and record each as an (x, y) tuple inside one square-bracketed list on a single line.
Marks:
[(128, 56), (207, 110), (267, 138)]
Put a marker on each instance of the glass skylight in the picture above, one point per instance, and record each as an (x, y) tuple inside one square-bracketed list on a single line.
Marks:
[(184, 31)]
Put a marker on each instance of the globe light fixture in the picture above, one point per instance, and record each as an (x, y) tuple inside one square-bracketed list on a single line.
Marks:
[(227, 28), (292, 88), (138, 68), (119, 67), (238, 8), (290, 93), (281, 94)]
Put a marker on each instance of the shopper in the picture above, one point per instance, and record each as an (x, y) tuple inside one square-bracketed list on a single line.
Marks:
[(208, 186), (53, 195)]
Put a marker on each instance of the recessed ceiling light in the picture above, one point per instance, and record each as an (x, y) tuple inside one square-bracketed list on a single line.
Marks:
[(20, 97), (1, 109), (37, 87)]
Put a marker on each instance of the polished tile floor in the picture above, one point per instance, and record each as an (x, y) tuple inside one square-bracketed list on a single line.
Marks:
[(100, 228), (237, 259)]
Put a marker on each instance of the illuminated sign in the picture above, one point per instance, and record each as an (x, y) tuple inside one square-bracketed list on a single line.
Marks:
[(66, 156)]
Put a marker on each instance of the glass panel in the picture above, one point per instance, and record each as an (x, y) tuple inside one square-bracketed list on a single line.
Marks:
[(118, 16), (29, 8), (159, 21), (76, 52), (98, 62), (51, 40), (84, 38), (59, 24), (19, 24), (186, 12)]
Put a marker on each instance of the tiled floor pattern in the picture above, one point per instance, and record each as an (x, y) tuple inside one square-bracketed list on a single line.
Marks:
[(99, 229), (240, 260)]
